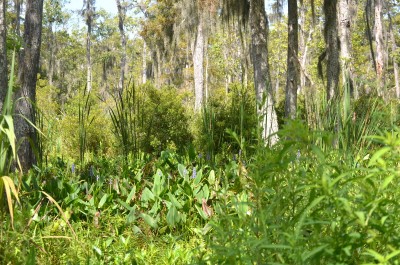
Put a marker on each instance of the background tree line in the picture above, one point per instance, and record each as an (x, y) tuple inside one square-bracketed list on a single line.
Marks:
[(291, 52)]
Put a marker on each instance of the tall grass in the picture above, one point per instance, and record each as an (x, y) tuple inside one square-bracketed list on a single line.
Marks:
[(85, 121), (8, 147), (124, 120)]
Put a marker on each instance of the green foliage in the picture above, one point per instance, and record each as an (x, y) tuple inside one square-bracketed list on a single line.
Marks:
[(229, 122), (162, 111), (8, 149), (85, 129), (306, 205)]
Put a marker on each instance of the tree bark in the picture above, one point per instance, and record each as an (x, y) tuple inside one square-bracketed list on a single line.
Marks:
[(262, 79), (292, 61), (28, 76), (380, 46), (3, 53), (346, 50), (395, 64), (121, 19), (332, 48), (51, 55), (89, 20), (198, 63), (144, 63)]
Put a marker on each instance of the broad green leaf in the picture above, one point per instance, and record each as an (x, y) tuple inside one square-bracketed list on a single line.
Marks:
[(211, 177), (172, 216), (131, 194), (147, 195), (361, 217), (198, 178), (183, 172), (102, 201), (174, 201), (158, 183), (149, 220), (124, 204), (97, 251), (201, 212)]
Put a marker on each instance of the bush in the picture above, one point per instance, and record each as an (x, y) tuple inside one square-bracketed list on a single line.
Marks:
[(229, 122)]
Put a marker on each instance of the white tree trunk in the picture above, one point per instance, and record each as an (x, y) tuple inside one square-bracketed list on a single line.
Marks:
[(346, 50), (262, 79), (380, 46), (198, 59), (395, 64)]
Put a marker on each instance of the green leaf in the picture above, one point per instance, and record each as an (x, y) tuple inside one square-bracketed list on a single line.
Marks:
[(183, 171), (158, 183), (304, 213), (102, 201), (131, 194), (149, 220), (172, 216), (198, 178), (174, 201), (211, 177), (97, 251), (386, 182), (375, 254), (201, 212), (124, 204), (147, 195), (361, 217), (376, 158), (392, 255), (308, 254)]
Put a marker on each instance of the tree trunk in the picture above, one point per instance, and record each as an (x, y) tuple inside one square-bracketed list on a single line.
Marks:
[(198, 60), (332, 48), (3, 53), (292, 61), (51, 55), (17, 23), (262, 79), (346, 50), (89, 19), (28, 76), (395, 64), (380, 46), (121, 19), (144, 63)]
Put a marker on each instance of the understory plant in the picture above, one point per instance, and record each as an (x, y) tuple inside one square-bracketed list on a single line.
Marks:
[(301, 204), (8, 149)]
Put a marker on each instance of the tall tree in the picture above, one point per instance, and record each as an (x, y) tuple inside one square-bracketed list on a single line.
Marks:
[(122, 7), (88, 13), (293, 70), (28, 74), (253, 13), (198, 63), (262, 80), (395, 64), (380, 46), (346, 50), (332, 48), (3, 53)]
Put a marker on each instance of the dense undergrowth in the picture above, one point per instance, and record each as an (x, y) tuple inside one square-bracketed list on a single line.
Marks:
[(209, 192)]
